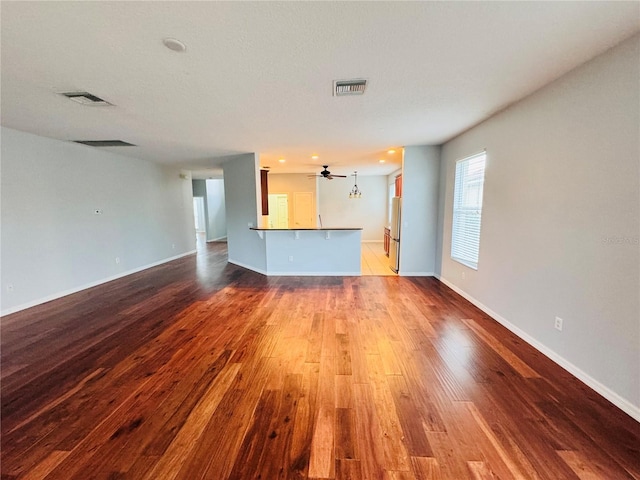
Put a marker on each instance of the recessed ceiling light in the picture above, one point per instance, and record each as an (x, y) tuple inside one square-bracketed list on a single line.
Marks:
[(391, 152), (314, 157), (381, 160), (282, 160), (175, 45)]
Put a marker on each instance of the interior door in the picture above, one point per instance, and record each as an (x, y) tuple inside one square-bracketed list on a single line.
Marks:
[(278, 210), (303, 210), (282, 206)]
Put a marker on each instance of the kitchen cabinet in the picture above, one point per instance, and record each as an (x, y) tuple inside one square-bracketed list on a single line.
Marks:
[(398, 185), (264, 191)]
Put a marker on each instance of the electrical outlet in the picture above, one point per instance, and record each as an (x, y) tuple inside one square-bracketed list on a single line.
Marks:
[(117, 259), (10, 287), (291, 258), (464, 275), (173, 246), (558, 324)]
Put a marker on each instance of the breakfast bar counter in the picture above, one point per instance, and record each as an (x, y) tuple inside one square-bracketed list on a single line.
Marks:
[(323, 251)]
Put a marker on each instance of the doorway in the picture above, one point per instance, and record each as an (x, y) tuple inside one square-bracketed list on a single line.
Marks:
[(199, 222), (278, 210)]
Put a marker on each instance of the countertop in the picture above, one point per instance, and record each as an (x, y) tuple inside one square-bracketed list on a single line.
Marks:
[(266, 229)]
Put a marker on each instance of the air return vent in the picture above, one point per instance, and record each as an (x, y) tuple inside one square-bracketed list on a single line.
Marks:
[(86, 98), (349, 87), (105, 143)]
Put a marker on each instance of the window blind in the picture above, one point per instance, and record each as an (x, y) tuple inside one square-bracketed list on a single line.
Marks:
[(467, 209)]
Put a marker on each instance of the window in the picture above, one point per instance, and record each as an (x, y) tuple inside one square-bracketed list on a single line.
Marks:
[(467, 210)]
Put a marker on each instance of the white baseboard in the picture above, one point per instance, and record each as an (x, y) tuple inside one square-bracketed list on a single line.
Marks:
[(314, 274), (219, 239), (620, 402), (64, 293), (248, 267), (295, 274), (416, 274)]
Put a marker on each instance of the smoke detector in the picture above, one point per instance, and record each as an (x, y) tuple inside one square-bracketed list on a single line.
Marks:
[(349, 87), (174, 44), (86, 98)]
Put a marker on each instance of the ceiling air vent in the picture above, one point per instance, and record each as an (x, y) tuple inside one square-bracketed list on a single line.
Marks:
[(349, 87), (105, 143), (86, 98)]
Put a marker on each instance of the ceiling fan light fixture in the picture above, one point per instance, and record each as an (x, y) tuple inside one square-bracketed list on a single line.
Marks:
[(327, 174)]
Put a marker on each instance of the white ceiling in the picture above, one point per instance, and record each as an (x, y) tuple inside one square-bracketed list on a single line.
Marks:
[(257, 76)]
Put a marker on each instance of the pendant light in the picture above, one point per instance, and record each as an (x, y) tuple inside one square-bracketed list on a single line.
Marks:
[(355, 191)]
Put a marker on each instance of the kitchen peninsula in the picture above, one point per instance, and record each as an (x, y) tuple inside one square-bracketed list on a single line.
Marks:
[(312, 251)]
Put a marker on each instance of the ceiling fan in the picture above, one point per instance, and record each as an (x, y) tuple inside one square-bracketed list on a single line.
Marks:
[(327, 174)]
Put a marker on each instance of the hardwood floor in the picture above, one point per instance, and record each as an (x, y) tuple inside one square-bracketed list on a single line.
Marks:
[(199, 369)]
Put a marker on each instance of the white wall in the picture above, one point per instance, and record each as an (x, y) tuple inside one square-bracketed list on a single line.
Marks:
[(53, 243), (241, 186), (216, 215), (442, 182), (560, 222), (419, 217), (368, 212)]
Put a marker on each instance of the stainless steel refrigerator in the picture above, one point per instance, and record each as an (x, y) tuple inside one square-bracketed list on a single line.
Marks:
[(394, 245)]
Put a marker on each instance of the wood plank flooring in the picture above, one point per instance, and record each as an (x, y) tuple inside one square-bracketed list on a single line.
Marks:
[(198, 369)]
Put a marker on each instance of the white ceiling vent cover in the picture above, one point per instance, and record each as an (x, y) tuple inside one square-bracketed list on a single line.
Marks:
[(349, 87), (86, 98), (104, 143)]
